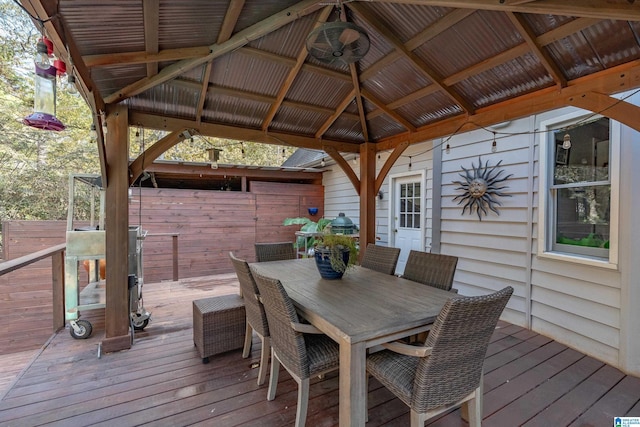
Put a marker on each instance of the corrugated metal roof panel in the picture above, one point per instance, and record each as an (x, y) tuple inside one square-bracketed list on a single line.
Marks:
[(315, 89), (106, 27), (428, 109), (395, 81), (168, 99), (473, 40), (193, 23), (383, 126), (517, 77), (234, 111), (345, 129), (249, 73), (114, 77), (289, 40), (407, 20), (257, 10), (541, 24), (293, 120)]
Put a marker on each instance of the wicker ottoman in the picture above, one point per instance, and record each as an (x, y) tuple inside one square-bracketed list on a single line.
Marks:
[(218, 325)]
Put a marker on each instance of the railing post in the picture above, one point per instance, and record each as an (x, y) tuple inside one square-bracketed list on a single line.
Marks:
[(57, 280), (175, 257)]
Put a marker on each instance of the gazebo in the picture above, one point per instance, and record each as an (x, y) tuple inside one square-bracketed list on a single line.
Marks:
[(347, 77)]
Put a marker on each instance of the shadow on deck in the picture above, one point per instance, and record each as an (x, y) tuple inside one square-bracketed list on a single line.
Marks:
[(529, 380)]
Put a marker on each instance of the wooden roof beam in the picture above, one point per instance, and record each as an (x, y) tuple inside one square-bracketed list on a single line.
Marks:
[(374, 22), (138, 166), (388, 111), (152, 121), (228, 24), (238, 40), (344, 165), (150, 11), (343, 105), (293, 73), (618, 79), (543, 56)]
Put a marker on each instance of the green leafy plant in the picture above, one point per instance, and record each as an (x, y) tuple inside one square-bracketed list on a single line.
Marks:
[(308, 226), (332, 246)]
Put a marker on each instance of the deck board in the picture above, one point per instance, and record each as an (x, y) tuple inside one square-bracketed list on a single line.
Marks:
[(529, 380)]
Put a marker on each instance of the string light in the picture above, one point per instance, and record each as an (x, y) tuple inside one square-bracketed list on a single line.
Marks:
[(103, 119), (409, 162), (71, 84), (494, 145), (447, 149), (566, 143), (355, 160), (242, 149), (322, 163)]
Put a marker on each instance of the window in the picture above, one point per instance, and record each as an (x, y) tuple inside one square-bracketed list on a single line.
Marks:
[(576, 192), (409, 212)]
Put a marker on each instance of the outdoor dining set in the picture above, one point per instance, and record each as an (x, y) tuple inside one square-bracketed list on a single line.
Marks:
[(412, 332)]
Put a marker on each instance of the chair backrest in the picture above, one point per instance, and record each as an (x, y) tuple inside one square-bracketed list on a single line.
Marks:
[(380, 258), (431, 269), (459, 339), (274, 251), (286, 342), (256, 315)]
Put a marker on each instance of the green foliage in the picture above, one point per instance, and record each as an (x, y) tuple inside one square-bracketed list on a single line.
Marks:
[(35, 164), (308, 226), (333, 245)]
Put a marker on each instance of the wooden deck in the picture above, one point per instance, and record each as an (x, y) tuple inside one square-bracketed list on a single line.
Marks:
[(529, 380)]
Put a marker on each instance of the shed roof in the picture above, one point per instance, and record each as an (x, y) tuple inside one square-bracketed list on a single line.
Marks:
[(240, 69)]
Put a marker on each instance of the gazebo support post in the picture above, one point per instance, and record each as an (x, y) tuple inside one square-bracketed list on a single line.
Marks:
[(117, 228), (368, 194)]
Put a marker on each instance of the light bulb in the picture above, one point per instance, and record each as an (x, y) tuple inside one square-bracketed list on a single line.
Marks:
[(447, 149), (494, 146), (104, 127), (92, 133), (138, 136), (42, 55), (355, 160), (71, 85), (322, 162), (566, 144)]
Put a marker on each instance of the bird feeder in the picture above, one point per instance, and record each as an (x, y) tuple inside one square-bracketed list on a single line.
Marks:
[(44, 115)]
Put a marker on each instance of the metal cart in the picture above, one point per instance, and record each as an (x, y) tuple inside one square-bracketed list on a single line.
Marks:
[(87, 243)]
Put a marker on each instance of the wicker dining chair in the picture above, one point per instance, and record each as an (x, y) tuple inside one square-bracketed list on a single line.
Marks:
[(446, 371), (274, 251), (380, 258), (301, 348), (256, 316), (431, 269)]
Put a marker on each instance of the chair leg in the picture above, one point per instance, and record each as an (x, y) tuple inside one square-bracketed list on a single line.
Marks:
[(264, 359), (273, 378), (474, 409), (417, 419), (303, 402), (248, 338)]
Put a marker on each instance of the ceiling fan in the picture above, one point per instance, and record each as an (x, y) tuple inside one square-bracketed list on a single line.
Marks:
[(338, 42)]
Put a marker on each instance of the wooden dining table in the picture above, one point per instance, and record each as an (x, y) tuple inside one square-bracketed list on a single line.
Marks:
[(363, 309)]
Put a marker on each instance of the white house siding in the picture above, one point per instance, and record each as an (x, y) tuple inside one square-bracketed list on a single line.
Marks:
[(587, 307)]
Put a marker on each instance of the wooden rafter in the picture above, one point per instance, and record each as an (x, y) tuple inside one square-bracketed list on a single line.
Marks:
[(388, 164), (239, 39), (420, 65), (154, 151), (543, 56), (599, 103), (437, 27), (334, 116), (150, 10), (344, 165), (152, 121), (618, 79), (228, 24), (293, 73), (391, 113)]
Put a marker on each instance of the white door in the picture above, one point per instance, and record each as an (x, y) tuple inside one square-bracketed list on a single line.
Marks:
[(407, 219)]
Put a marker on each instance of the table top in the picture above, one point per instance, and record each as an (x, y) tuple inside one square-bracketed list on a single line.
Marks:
[(363, 306)]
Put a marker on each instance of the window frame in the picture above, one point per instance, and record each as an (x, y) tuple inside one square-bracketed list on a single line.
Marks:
[(547, 247)]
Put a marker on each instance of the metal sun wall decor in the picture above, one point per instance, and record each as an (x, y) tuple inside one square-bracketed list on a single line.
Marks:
[(480, 188)]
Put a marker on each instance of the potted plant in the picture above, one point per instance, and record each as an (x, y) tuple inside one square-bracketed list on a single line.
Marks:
[(335, 254), (310, 230)]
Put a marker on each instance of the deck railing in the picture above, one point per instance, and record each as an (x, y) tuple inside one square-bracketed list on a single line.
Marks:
[(57, 276)]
